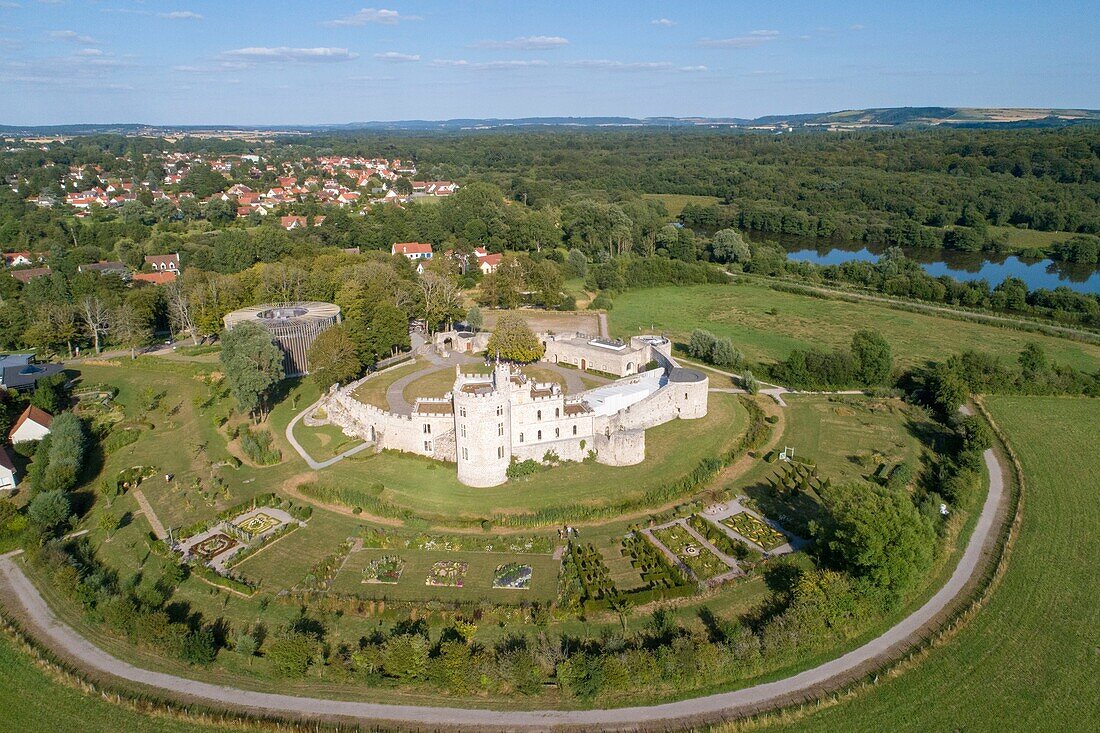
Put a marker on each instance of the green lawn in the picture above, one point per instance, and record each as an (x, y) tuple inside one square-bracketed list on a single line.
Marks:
[(477, 583), (287, 560), (323, 441), (431, 489), (373, 391), (1029, 660), (742, 312)]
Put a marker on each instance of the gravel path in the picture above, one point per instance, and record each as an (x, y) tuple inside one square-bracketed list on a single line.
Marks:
[(147, 510), (42, 622), (318, 465)]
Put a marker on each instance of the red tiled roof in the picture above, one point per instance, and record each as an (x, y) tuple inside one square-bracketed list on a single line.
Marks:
[(157, 278), (409, 248)]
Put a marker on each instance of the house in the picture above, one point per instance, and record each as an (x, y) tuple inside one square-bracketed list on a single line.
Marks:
[(18, 372), (412, 250), (292, 222), (14, 259), (489, 263), (104, 268), (25, 276), (8, 479), (156, 278), (164, 263), (33, 424)]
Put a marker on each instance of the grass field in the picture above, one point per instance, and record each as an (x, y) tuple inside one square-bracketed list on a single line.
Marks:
[(287, 560), (323, 441), (477, 583), (1018, 239), (767, 325), (431, 489), (1029, 660), (440, 382), (33, 702), (675, 202)]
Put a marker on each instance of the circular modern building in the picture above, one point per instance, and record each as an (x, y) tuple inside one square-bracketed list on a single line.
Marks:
[(293, 328)]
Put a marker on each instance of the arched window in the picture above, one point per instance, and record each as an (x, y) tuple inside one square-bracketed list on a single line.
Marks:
[(557, 412), (540, 414), (557, 432), (540, 435), (574, 430)]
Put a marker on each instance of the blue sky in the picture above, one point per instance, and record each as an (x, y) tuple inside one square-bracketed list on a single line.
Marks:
[(280, 62)]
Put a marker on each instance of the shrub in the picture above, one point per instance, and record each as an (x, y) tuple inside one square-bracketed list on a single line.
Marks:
[(521, 469), (258, 446)]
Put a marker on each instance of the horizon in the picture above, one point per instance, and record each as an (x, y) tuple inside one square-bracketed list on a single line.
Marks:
[(203, 64)]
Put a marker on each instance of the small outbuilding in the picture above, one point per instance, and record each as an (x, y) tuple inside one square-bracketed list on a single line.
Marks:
[(8, 479), (33, 424)]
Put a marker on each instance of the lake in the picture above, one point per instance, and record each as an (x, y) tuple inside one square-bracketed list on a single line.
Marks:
[(994, 269)]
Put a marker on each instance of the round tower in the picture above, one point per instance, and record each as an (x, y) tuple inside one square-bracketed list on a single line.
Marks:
[(483, 436)]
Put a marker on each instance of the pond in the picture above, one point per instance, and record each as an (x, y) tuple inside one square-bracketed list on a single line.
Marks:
[(992, 268)]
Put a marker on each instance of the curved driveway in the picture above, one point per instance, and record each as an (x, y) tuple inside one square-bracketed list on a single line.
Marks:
[(44, 624)]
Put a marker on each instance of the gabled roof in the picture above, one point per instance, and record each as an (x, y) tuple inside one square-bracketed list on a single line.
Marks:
[(411, 248), (5, 459), (33, 414)]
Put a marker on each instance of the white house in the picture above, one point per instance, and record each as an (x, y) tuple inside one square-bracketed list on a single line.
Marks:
[(8, 479), (33, 424), (413, 250)]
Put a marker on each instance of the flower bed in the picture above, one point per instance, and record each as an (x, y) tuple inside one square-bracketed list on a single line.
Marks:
[(754, 530), (448, 573), (214, 545), (387, 569), (692, 553), (257, 524), (512, 575)]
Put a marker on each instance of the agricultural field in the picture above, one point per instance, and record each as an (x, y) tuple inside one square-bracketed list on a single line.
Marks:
[(1028, 660), (455, 576), (767, 325)]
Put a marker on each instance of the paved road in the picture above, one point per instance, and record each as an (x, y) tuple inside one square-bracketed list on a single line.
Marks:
[(43, 623), (318, 465)]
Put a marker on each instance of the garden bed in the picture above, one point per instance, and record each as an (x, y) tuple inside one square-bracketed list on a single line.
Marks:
[(691, 552), (447, 574), (386, 569), (754, 530), (512, 575)]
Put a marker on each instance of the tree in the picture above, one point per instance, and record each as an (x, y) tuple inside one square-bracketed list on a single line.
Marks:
[(442, 299), (513, 340), (252, 364), (874, 362), (474, 320), (1033, 360), (107, 523), (333, 358), (403, 186), (701, 344), (290, 653), (729, 246), (95, 316), (247, 646), (179, 310), (51, 394), (130, 328), (876, 533), (577, 263), (49, 509), (946, 389), (725, 354)]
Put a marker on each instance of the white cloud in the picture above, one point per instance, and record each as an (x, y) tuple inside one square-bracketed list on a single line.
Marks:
[(286, 53), (370, 15), (486, 65), (856, 27), (89, 52), (609, 65), (525, 43), (9, 5), (372, 78), (753, 38), (395, 57), (666, 22), (181, 15), (74, 37)]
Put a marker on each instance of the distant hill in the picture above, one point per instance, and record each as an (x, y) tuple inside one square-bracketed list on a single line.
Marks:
[(853, 119)]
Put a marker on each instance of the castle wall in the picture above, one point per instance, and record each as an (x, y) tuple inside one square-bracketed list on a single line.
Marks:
[(424, 434), (483, 435), (621, 448)]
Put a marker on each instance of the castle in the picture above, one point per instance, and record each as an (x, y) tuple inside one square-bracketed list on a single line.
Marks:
[(489, 420)]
